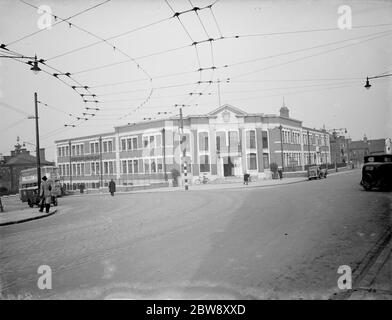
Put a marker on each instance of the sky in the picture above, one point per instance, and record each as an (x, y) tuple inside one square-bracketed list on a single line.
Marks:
[(138, 59)]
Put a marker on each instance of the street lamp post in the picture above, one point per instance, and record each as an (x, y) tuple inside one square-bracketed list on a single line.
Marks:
[(307, 132), (100, 160), (38, 157), (70, 164), (326, 157), (281, 147), (182, 141)]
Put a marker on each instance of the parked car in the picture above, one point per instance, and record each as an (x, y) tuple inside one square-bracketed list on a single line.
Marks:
[(377, 172), (315, 172), (31, 196)]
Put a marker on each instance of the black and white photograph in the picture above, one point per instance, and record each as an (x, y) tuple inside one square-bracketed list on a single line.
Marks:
[(213, 151)]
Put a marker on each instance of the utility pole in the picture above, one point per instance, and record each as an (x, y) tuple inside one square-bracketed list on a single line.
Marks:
[(164, 152), (281, 146), (326, 157), (219, 96), (100, 159), (182, 142), (307, 131), (70, 164), (37, 142)]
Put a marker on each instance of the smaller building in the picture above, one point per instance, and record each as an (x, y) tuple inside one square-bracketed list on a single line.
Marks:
[(339, 149), (12, 165), (361, 148)]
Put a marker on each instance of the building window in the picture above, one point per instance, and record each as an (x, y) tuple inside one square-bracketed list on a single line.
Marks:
[(124, 166), (135, 166), (251, 139), (59, 152), (111, 167), (134, 143), (146, 166), (153, 166), (220, 140), (129, 166), (105, 146), (204, 163), (106, 167), (203, 141), (110, 146), (73, 150), (129, 143), (233, 141), (252, 161), (123, 145), (145, 142), (266, 160), (160, 164), (152, 143)]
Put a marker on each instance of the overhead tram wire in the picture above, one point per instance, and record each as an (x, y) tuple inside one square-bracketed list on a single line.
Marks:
[(233, 64), (194, 43), (304, 49), (56, 23), (64, 82), (127, 33), (115, 48), (383, 34)]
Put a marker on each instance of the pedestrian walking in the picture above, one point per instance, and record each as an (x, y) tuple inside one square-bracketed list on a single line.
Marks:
[(112, 187), (280, 172), (45, 194), (246, 178)]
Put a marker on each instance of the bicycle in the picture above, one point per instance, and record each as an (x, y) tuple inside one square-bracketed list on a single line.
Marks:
[(201, 179)]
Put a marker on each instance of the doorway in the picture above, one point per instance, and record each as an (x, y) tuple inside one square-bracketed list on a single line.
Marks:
[(228, 167)]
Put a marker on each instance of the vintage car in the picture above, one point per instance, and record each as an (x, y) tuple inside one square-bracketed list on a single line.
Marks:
[(377, 172), (31, 196), (315, 172)]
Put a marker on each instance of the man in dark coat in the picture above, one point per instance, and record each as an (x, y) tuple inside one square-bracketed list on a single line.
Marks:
[(112, 187), (45, 194)]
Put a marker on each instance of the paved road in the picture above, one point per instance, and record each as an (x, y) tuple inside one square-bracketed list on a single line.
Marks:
[(273, 242)]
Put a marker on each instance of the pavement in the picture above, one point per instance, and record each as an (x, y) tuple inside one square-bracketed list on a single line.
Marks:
[(278, 242), (23, 215)]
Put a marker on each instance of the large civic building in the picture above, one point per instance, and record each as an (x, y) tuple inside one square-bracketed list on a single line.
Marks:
[(225, 142)]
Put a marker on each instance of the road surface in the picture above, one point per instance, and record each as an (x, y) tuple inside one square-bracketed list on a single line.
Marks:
[(264, 243)]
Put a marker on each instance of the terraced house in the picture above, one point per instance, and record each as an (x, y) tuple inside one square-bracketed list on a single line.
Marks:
[(225, 142)]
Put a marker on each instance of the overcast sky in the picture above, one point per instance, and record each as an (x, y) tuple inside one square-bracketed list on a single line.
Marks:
[(290, 49)]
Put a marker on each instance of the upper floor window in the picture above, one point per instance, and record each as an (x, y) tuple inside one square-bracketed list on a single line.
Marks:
[(265, 139), (123, 145), (251, 139), (220, 140), (203, 141)]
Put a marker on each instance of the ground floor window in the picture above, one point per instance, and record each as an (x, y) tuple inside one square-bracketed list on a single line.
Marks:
[(251, 161), (204, 163), (266, 160)]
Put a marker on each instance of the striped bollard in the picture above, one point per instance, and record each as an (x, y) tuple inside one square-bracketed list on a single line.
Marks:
[(185, 177)]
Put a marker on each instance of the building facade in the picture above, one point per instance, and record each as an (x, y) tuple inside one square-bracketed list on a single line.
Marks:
[(11, 166), (225, 142)]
